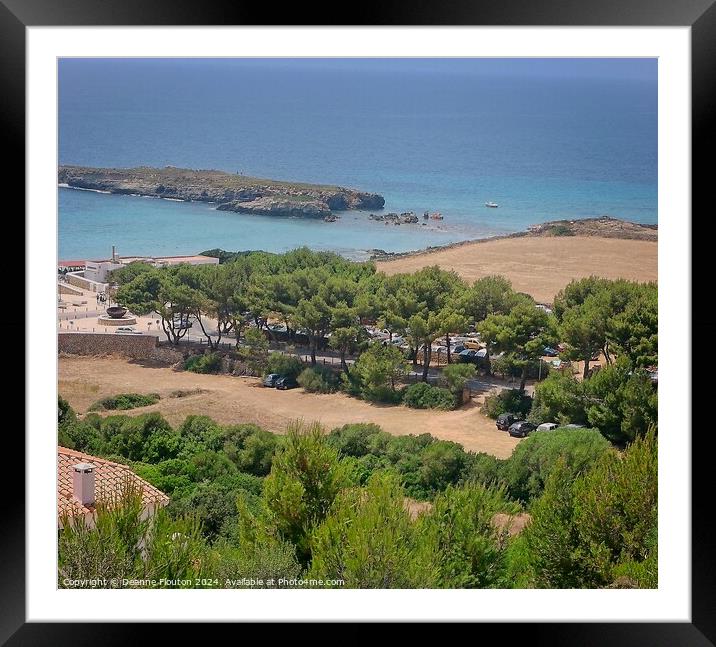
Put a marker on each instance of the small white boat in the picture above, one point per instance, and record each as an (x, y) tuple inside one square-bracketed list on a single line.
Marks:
[(492, 205)]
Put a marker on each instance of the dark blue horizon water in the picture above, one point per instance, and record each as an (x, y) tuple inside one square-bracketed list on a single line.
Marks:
[(546, 139)]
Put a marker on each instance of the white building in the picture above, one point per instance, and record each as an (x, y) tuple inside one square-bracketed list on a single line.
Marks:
[(98, 271)]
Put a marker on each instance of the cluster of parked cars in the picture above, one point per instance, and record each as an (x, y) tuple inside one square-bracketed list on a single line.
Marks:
[(517, 427), (281, 382)]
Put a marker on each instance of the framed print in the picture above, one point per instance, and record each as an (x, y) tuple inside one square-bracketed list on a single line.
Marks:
[(360, 322)]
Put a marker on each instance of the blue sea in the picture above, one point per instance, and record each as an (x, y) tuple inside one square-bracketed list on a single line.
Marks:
[(544, 138)]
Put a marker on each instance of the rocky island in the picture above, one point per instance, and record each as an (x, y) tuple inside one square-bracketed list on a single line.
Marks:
[(230, 192)]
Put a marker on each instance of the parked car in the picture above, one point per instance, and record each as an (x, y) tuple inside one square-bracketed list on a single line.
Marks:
[(127, 330), (181, 324), (467, 355), (271, 379), (286, 382), (458, 348), (472, 343), (550, 352), (505, 420), (547, 426), (520, 429)]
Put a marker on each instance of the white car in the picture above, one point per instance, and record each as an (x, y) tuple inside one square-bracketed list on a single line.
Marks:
[(127, 330), (547, 426)]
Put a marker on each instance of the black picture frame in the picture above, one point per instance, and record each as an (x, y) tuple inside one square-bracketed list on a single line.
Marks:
[(700, 15)]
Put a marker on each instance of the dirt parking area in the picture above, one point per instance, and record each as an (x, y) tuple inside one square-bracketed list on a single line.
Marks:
[(84, 380)]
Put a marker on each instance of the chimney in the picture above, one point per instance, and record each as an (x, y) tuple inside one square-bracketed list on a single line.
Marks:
[(114, 254), (83, 483)]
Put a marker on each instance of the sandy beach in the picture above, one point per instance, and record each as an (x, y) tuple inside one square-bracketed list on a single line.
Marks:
[(539, 266)]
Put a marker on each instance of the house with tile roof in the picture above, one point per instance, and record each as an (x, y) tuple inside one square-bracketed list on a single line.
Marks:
[(84, 480)]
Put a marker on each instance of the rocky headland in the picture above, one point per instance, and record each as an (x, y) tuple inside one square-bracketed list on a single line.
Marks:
[(230, 192)]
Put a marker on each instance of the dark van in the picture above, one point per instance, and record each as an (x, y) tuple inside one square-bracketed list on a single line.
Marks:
[(506, 420)]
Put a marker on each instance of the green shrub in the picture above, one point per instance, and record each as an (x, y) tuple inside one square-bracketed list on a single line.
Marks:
[(560, 230), (375, 374), (214, 502), (132, 437), (209, 363), (369, 540), (256, 455), (507, 401), (319, 379), (359, 439), (506, 366), (200, 433), (82, 436), (169, 476), (484, 469), (284, 365), (125, 401), (455, 376), (470, 548), (528, 468), (426, 396), (269, 561), (442, 463), (560, 399)]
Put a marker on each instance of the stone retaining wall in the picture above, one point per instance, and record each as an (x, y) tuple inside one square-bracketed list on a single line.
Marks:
[(131, 346), (78, 279), (63, 288)]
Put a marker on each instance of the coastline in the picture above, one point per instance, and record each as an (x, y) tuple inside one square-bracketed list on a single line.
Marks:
[(601, 227)]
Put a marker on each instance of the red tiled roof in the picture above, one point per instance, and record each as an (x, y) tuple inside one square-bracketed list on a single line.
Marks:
[(71, 263), (110, 481)]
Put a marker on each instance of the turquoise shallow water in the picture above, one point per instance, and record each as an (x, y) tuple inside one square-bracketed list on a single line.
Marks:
[(544, 139)]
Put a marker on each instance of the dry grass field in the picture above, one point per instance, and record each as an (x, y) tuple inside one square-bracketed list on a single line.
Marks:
[(539, 266), (84, 380)]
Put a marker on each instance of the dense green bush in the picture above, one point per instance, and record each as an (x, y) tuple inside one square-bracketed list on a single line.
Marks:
[(135, 438), (123, 546), (305, 478), (533, 460), (622, 403), (505, 366), (266, 561), (441, 464), (560, 399), (319, 379), (600, 528), (484, 469), (125, 401), (369, 540), (169, 476), (257, 452), (208, 363), (200, 433), (214, 502), (283, 365), (507, 401), (375, 374), (455, 376), (470, 548), (426, 396), (359, 439)]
